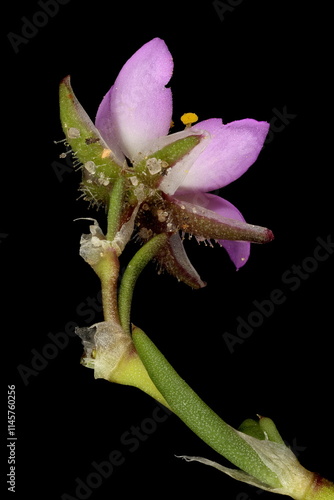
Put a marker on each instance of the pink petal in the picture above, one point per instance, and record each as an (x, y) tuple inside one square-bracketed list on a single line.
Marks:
[(232, 150), (138, 108), (179, 171), (107, 127), (238, 250)]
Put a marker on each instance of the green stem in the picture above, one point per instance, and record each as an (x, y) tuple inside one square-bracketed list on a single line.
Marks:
[(203, 421), (321, 489), (108, 270), (131, 274), (115, 208)]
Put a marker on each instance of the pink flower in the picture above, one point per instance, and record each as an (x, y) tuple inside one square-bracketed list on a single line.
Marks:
[(137, 111), (173, 192)]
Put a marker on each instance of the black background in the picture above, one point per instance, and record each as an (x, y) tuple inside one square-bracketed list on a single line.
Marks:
[(263, 56)]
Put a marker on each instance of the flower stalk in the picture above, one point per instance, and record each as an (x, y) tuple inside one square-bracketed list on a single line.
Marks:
[(131, 274), (115, 208), (107, 270)]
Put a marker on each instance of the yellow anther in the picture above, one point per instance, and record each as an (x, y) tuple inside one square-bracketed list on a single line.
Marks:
[(105, 153), (188, 119)]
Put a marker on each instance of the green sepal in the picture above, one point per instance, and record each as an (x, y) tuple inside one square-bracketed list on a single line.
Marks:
[(206, 224), (173, 258), (167, 157), (88, 147)]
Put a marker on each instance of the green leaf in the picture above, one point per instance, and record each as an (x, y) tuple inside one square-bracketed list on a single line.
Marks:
[(252, 428), (270, 430), (192, 410)]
